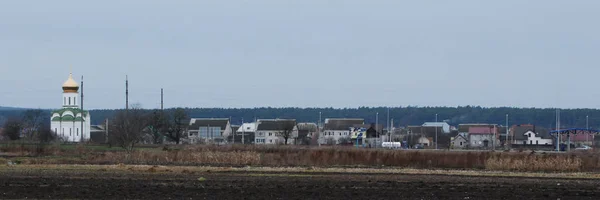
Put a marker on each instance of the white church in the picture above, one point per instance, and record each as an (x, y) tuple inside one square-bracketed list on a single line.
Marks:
[(67, 121)]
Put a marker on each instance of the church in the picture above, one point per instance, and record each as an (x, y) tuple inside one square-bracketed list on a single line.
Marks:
[(71, 123)]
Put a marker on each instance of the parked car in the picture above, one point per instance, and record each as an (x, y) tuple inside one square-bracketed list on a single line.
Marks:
[(584, 148)]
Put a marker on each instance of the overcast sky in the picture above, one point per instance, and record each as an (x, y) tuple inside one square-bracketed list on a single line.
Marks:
[(308, 53)]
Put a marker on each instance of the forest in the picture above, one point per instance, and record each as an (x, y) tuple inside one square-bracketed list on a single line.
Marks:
[(402, 116)]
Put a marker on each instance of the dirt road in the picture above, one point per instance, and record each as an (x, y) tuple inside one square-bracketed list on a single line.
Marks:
[(207, 185)]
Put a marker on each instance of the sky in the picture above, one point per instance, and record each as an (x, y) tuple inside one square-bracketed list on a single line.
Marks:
[(306, 53)]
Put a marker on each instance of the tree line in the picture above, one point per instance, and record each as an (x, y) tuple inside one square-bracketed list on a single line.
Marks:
[(402, 116)]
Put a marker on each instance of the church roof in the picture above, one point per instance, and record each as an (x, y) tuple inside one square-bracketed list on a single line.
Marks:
[(75, 111), (70, 86)]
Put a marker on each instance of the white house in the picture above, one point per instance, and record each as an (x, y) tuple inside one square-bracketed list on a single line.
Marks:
[(247, 131), (337, 128), (530, 135), (71, 123), (445, 126), (272, 131), (209, 130)]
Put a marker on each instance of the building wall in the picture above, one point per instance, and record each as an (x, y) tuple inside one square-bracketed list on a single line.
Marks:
[(334, 134), (477, 140), (532, 139), (460, 143), (272, 137), (71, 130)]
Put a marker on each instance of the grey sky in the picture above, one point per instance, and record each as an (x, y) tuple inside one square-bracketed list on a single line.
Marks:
[(308, 53)]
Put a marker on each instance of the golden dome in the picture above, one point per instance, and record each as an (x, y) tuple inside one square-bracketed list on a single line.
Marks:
[(70, 86)]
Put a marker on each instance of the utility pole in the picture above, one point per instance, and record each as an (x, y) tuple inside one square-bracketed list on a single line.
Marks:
[(587, 127), (436, 132), (388, 120), (319, 130), (161, 99), (392, 129), (82, 112), (126, 93), (508, 142), (557, 130), (494, 139), (233, 132), (243, 130), (376, 128)]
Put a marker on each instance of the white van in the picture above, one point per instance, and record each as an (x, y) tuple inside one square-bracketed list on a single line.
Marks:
[(391, 145)]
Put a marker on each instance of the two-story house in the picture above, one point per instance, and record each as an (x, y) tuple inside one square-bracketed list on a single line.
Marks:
[(483, 137), (274, 131), (337, 130), (528, 134), (209, 130)]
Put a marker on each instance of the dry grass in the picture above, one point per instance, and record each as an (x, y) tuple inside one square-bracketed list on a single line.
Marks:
[(327, 157), (282, 171)]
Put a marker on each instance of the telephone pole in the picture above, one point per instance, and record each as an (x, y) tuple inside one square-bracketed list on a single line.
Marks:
[(82, 112), (126, 93), (161, 99)]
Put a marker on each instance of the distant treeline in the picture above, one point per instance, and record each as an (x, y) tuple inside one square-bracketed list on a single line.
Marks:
[(402, 115)]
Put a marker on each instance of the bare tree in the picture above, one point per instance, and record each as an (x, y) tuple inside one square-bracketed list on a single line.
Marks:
[(286, 131), (329, 141), (177, 124), (33, 120), (344, 140), (159, 124), (127, 127), (12, 128)]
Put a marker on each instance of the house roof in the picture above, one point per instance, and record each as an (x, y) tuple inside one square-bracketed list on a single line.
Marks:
[(196, 123), (438, 124), (275, 124), (310, 127), (247, 127), (425, 129), (342, 123), (464, 128), (482, 130), (518, 131)]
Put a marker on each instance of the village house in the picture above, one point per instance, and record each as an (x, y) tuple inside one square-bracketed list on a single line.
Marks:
[(483, 137), (336, 130), (460, 141), (530, 135), (246, 132), (444, 127), (306, 133), (273, 131), (209, 130), (424, 135)]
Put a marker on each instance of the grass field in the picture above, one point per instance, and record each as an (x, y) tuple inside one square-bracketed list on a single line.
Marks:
[(294, 156)]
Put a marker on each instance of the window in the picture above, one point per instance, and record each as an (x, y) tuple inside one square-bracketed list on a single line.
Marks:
[(74, 100), (460, 143), (70, 132), (69, 100), (537, 142), (530, 141), (247, 128), (529, 135), (64, 100), (270, 141), (270, 134), (77, 132)]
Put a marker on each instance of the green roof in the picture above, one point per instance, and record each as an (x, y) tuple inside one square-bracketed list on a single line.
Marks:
[(67, 118), (75, 111)]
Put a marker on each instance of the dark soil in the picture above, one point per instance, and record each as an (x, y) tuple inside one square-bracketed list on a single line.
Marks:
[(111, 185)]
